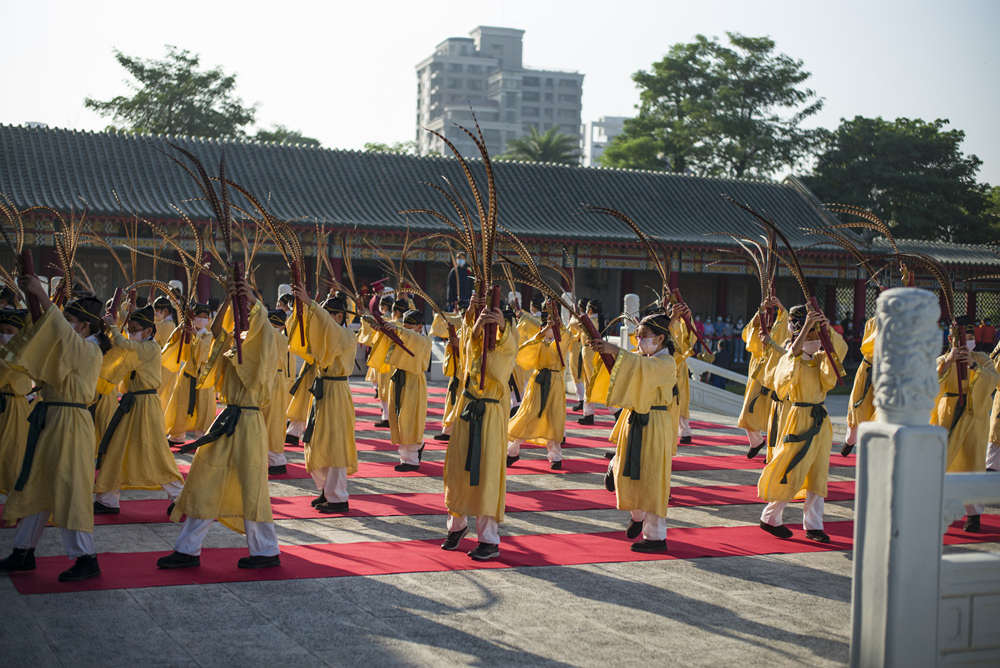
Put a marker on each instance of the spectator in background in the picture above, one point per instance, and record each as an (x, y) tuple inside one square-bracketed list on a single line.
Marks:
[(988, 336), (978, 329), (727, 333), (724, 360), (739, 346), (700, 328), (708, 333), (459, 283)]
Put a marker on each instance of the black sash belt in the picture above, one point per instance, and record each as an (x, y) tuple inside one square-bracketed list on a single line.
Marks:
[(36, 423), (124, 408), (818, 416), (398, 380), (224, 425), (3, 400), (764, 392), (579, 364), (192, 393), (512, 384), (633, 448), (475, 409), (544, 379), (959, 410), (453, 390), (868, 382), (318, 393), (298, 379), (677, 394), (772, 428)]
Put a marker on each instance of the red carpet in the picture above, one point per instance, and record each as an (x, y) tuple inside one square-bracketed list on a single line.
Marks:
[(138, 569), (153, 511)]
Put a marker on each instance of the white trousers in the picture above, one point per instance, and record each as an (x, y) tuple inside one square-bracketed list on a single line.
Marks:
[(654, 527), (29, 532), (683, 427), (261, 537), (852, 436), (332, 481), (974, 509), (812, 513), (580, 392), (993, 457), (554, 449), (385, 409), (276, 458), (754, 437), (408, 453), (588, 407), (113, 499), (487, 528), (296, 428)]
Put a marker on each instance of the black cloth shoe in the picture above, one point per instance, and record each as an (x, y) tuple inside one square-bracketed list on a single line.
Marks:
[(406, 467), (817, 535), (634, 529), (485, 551), (319, 500), (755, 450), (277, 470), (442, 437), (101, 509), (330, 507), (649, 546), (259, 562), (972, 524), (86, 567), (556, 466), (617, 414), (420, 454), (586, 419), (454, 538), (609, 455), (778, 532), (511, 460), (513, 410), (578, 406), (609, 477), (19, 560), (291, 440), (685, 440), (170, 509), (382, 424), (846, 450), (178, 560)]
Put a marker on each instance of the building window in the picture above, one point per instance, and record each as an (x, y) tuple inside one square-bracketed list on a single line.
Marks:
[(454, 67), (529, 111), (474, 69), (548, 112), (531, 96), (567, 83), (530, 81), (568, 98), (548, 97), (567, 113), (454, 83), (475, 84)]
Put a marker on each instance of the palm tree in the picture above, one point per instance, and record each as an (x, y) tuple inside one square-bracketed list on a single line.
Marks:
[(550, 146)]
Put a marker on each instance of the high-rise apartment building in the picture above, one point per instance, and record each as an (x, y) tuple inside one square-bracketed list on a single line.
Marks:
[(486, 71), (597, 135)]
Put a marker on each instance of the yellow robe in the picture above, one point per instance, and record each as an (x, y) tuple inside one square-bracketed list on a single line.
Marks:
[(408, 412), (636, 384), (801, 381), (861, 407), (228, 477), (366, 337), (995, 413), (535, 422), (274, 409), (14, 386), (967, 440), (453, 371), (138, 456), (527, 327), (488, 497), (62, 472), (587, 366), (333, 347), (105, 399), (684, 342), (762, 364), (193, 358), (164, 330)]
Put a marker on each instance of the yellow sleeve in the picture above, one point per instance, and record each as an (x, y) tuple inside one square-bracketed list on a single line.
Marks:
[(418, 344), (828, 374), (121, 360), (325, 339), (49, 350), (868, 341), (633, 380)]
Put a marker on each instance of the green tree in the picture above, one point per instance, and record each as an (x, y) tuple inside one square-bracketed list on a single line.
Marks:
[(400, 147), (550, 146), (910, 173), (282, 135), (172, 96), (731, 110)]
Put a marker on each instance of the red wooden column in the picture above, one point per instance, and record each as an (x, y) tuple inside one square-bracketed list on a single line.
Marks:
[(721, 294), (970, 303), (420, 274), (831, 302), (338, 269), (675, 278), (628, 284), (860, 305), (204, 288)]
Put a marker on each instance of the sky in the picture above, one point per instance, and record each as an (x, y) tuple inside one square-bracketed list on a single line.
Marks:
[(343, 71)]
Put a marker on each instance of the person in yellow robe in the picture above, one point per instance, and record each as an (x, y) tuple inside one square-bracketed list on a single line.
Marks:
[(133, 451), (595, 311), (968, 422), (274, 409), (541, 419), (759, 396), (374, 376), (993, 448), (407, 390), (165, 325), (642, 384), (529, 323), (61, 352), (861, 407), (452, 366), (297, 410), (575, 357), (475, 477), (191, 408), (331, 453), (684, 341), (228, 476), (800, 463), (14, 408)]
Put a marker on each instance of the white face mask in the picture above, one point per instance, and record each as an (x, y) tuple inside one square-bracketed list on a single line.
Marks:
[(971, 345), (811, 347), (201, 323), (460, 263), (4, 338), (136, 336), (646, 345)]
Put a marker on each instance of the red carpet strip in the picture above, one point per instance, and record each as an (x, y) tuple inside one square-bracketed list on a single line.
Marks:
[(138, 569)]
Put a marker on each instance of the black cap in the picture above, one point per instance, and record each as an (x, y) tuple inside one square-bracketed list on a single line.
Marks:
[(537, 300), (385, 300), (86, 309), (797, 316), (143, 316), (413, 318), (334, 305), (276, 317), (11, 316), (401, 305), (286, 298), (198, 309), (9, 295), (161, 302), (596, 305)]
